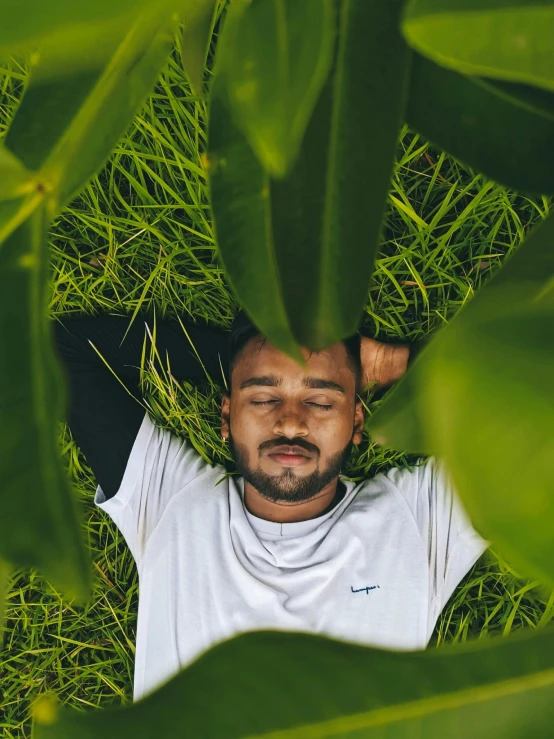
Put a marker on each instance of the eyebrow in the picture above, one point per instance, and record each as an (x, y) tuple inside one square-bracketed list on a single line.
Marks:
[(314, 383)]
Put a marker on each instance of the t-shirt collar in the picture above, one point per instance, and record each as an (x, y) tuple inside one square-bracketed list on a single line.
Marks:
[(293, 528)]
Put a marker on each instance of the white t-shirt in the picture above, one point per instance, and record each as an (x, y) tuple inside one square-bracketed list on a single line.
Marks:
[(377, 569)]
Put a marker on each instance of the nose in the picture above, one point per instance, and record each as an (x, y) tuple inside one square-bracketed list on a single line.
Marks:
[(290, 422)]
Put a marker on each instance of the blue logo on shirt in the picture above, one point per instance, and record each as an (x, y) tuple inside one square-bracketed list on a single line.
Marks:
[(361, 590)]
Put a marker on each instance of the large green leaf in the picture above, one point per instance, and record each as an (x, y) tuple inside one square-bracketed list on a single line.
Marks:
[(510, 40), (504, 130), (240, 200), (46, 112), (195, 40), (481, 397), (80, 35), (300, 686), (490, 394), (278, 55), (327, 213), (26, 22), (66, 127), (39, 524), (13, 176), (401, 422), (63, 129), (312, 251)]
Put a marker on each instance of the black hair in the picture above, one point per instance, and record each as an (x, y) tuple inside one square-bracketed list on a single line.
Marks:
[(242, 330)]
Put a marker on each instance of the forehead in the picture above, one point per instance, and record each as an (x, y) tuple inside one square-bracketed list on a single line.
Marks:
[(260, 357)]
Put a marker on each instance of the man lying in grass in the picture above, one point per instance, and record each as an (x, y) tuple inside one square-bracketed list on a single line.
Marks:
[(288, 544)]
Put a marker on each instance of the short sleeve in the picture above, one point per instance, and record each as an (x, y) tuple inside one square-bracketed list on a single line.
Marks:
[(160, 465), (453, 545)]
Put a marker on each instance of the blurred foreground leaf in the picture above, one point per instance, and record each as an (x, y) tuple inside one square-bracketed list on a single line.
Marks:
[(195, 41), (276, 59), (239, 188), (64, 129), (480, 396), (525, 276), (490, 393), (508, 40), (25, 21), (300, 251), (502, 129), (301, 686), (328, 212), (240, 201), (13, 175), (71, 34), (39, 525)]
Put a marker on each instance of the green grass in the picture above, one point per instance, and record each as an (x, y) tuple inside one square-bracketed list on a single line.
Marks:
[(139, 239)]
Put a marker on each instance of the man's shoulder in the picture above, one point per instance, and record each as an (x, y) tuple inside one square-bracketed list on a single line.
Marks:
[(392, 486), (398, 476), (210, 487)]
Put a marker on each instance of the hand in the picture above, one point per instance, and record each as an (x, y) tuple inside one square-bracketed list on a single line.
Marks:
[(382, 364)]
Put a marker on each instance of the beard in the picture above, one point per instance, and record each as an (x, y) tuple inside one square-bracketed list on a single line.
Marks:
[(287, 487)]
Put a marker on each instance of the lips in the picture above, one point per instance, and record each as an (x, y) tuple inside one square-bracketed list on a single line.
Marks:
[(289, 456), (290, 460), (297, 451)]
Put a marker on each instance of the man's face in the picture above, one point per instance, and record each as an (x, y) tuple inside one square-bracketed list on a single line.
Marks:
[(290, 427)]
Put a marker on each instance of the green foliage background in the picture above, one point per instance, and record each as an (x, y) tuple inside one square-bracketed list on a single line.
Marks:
[(119, 248)]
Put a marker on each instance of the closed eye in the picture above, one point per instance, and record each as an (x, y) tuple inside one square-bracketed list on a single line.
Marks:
[(319, 406)]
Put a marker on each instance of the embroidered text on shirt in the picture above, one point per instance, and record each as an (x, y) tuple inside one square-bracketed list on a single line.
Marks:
[(372, 587)]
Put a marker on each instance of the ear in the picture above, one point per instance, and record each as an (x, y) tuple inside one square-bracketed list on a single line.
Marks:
[(358, 423), (225, 415)]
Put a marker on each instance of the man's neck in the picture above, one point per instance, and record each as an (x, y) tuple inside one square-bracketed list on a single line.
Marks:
[(324, 501)]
